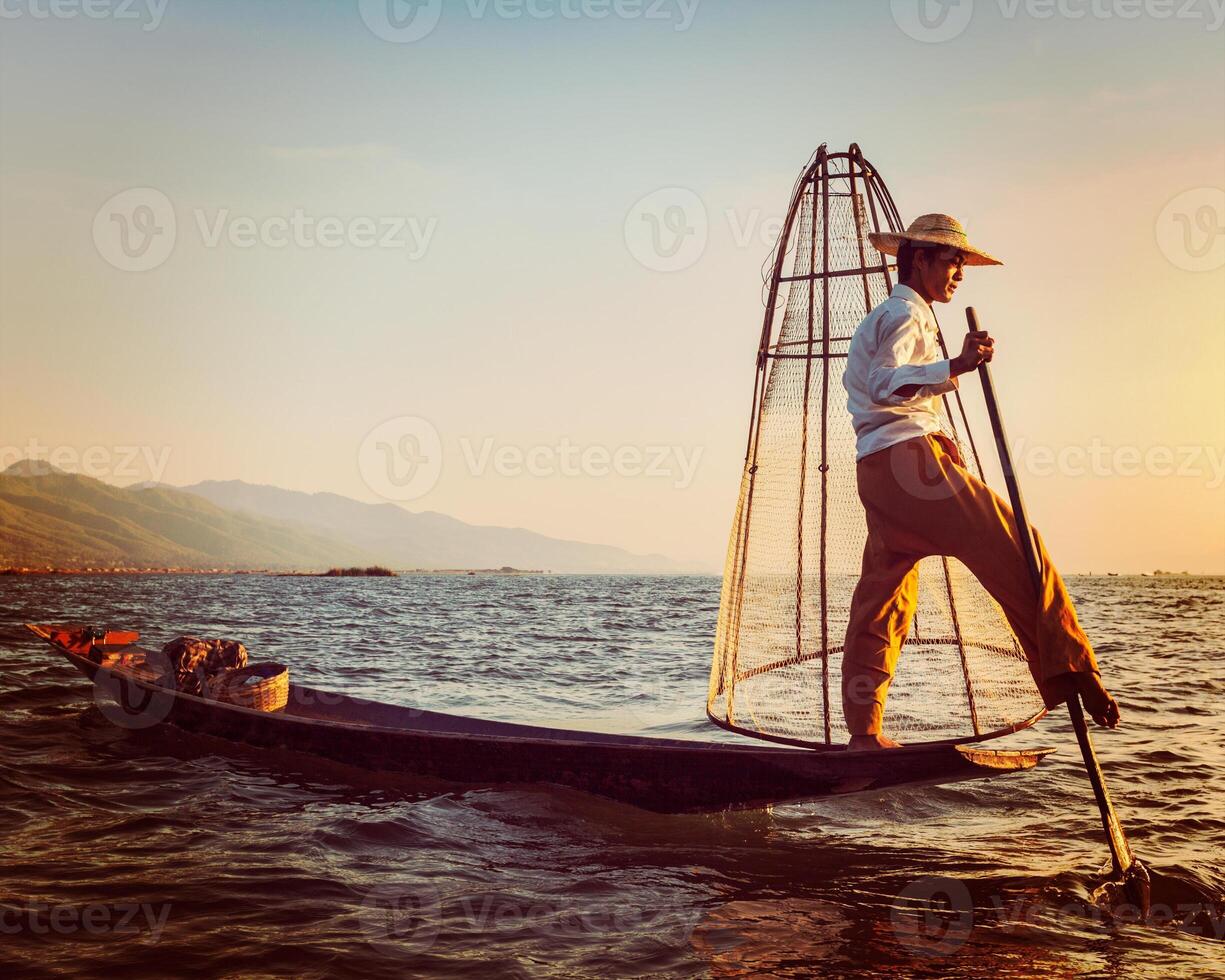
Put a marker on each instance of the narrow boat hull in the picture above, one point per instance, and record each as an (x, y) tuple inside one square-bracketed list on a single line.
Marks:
[(663, 775)]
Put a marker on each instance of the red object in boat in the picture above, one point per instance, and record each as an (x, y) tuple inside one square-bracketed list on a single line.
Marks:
[(88, 641)]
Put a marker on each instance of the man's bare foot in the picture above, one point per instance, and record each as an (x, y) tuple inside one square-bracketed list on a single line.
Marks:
[(859, 742), (1102, 708)]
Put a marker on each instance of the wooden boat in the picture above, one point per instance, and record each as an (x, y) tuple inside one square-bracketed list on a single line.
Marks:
[(659, 774)]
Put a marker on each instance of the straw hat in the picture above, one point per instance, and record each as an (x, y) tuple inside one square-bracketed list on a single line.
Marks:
[(935, 229)]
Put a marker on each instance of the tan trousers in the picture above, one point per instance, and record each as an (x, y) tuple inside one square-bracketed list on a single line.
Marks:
[(921, 501)]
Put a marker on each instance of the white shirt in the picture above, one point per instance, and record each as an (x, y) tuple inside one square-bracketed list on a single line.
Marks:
[(895, 345)]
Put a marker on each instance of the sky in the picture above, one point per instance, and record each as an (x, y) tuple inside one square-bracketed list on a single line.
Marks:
[(502, 259)]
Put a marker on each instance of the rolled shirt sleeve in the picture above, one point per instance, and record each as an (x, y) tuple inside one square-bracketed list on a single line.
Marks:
[(891, 370)]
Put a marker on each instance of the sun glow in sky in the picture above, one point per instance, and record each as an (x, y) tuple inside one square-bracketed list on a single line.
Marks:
[(295, 243)]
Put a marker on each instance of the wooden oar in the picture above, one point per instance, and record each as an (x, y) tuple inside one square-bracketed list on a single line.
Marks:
[(1127, 868)]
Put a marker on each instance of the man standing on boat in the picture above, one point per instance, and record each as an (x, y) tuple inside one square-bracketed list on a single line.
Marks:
[(921, 500)]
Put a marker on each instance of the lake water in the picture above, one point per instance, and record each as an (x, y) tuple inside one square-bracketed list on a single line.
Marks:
[(158, 853)]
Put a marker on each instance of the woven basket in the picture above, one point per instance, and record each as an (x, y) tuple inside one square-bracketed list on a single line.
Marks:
[(269, 693)]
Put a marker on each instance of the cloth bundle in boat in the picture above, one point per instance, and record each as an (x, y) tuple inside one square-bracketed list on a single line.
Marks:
[(195, 660), (799, 529)]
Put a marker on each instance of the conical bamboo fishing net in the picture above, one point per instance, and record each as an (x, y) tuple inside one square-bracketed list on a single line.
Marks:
[(799, 529)]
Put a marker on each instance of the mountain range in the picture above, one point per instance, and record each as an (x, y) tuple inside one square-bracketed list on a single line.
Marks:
[(405, 539), (52, 518)]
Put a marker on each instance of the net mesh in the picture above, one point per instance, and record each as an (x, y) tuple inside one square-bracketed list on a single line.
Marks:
[(799, 528)]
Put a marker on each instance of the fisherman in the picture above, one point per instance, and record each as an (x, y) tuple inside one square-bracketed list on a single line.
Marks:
[(921, 500)]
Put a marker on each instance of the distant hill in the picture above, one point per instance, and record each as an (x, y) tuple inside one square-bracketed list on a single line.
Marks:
[(403, 539), (34, 467), (48, 517)]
